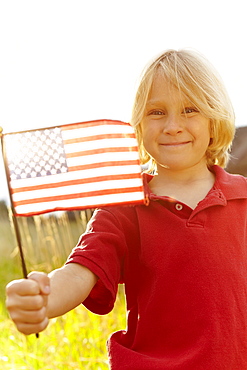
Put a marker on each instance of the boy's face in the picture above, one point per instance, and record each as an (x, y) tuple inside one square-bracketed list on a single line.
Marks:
[(174, 133)]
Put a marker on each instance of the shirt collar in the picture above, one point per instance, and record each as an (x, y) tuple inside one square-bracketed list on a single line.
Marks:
[(232, 186), (227, 186)]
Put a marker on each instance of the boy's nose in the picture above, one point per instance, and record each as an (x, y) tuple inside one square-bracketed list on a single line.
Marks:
[(173, 125)]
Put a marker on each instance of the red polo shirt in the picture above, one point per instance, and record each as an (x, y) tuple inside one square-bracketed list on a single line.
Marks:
[(185, 275)]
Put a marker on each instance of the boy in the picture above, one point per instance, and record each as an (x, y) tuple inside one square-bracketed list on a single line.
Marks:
[(182, 258)]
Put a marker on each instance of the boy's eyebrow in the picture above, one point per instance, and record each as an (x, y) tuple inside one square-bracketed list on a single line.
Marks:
[(155, 101)]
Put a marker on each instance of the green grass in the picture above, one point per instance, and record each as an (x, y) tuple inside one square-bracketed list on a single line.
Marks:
[(76, 340)]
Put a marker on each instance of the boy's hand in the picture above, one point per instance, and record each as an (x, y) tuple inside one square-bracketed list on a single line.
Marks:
[(27, 302)]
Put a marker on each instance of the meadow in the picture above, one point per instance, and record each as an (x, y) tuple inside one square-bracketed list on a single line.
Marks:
[(76, 340)]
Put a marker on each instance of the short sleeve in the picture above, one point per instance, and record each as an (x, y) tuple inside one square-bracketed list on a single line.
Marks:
[(102, 249)]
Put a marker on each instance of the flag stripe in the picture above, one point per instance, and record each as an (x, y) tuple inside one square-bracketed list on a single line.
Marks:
[(98, 137), (101, 150), (104, 164), (76, 189), (76, 182), (112, 145), (79, 195), (100, 158), (70, 133), (97, 123), (70, 176), (81, 203)]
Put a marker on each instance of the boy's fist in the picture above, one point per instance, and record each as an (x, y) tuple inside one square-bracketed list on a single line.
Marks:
[(27, 302)]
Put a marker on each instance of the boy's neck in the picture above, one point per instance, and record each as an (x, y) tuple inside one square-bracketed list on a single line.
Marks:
[(188, 186)]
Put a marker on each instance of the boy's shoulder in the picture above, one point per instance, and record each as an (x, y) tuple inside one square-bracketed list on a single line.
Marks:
[(232, 185)]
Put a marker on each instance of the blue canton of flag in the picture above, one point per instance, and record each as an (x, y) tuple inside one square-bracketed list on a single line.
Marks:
[(37, 153)]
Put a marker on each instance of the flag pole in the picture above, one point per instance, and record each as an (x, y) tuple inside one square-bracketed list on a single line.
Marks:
[(14, 219)]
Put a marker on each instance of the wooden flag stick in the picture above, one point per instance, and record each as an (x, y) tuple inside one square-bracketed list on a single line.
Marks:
[(14, 218), (15, 223)]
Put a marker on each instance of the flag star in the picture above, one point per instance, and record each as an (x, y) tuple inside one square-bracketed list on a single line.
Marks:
[(60, 150), (26, 159), (53, 146), (36, 158)]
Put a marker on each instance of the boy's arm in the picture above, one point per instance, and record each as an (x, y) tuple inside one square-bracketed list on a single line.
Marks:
[(32, 302), (70, 286)]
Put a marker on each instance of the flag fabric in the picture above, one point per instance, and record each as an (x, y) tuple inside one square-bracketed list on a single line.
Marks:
[(71, 167)]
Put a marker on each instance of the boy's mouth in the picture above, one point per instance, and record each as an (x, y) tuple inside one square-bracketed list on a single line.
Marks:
[(175, 144)]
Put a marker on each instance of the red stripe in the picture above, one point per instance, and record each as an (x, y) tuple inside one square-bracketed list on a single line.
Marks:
[(104, 164), (77, 182), (79, 195), (89, 206), (102, 150), (72, 126), (93, 124), (99, 137)]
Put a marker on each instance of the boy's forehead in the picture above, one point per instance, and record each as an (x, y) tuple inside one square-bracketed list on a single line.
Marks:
[(162, 88), (162, 84)]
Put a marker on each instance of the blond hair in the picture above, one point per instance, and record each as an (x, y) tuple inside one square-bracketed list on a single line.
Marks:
[(196, 78)]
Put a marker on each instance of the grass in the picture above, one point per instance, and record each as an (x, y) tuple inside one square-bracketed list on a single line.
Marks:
[(76, 340)]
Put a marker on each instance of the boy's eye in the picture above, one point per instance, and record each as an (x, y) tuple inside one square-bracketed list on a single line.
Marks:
[(155, 112), (190, 110)]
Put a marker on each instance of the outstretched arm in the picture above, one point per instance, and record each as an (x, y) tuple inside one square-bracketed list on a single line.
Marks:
[(32, 302)]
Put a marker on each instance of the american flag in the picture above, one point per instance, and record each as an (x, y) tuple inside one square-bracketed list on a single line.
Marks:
[(75, 166)]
